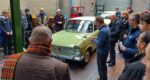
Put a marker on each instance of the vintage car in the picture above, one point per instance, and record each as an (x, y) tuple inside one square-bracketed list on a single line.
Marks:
[(72, 43)]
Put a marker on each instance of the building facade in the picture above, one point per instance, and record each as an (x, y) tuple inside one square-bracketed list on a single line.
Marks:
[(140, 5)]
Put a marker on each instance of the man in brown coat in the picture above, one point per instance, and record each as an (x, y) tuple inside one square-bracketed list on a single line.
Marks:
[(36, 63)]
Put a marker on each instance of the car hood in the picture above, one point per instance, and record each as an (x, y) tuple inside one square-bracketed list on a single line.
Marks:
[(67, 38)]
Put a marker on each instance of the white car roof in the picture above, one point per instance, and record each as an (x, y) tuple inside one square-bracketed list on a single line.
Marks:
[(91, 18)]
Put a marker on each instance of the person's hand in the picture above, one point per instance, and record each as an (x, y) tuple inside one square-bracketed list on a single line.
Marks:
[(122, 47), (91, 38), (59, 22), (125, 36), (7, 33), (10, 33)]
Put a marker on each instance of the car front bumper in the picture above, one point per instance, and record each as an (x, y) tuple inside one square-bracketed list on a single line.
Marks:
[(72, 58)]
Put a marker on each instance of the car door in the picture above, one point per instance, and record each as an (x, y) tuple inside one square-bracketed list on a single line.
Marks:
[(89, 31)]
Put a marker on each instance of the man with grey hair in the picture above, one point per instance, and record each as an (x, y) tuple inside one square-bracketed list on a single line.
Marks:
[(114, 37), (128, 47), (36, 63), (59, 21), (42, 17)]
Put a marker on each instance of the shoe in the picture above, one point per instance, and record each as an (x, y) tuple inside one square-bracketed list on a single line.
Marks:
[(111, 64)]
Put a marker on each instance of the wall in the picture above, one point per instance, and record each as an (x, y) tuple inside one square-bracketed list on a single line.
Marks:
[(49, 6), (4, 5), (140, 5)]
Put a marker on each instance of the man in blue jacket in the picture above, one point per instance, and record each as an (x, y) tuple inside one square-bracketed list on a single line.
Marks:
[(42, 18), (114, 37), (102, 42), (129, 45), (7, 32)]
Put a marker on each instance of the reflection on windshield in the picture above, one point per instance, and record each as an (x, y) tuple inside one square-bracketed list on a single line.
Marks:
[(78, 25)]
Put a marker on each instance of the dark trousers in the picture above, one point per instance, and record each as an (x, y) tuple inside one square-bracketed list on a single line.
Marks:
[(112, 53), (7, 44), (102, 67), (26, 36), (58, 28)]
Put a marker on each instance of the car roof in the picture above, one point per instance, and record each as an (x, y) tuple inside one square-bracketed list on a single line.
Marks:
[(91, 18)]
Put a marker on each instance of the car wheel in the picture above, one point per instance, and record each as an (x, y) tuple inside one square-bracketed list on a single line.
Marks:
[(87, 57)]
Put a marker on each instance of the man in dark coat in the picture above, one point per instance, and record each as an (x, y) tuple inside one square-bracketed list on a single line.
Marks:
[(102, 42), (129, 47), (59, 21), (136, 69), (29, 18), (35, 63), (114, 36), (6, 27), (29, 28), (118, 13), (125, 27)]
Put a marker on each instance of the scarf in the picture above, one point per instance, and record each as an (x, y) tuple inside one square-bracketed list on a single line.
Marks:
[(10, 63), (39, 49)]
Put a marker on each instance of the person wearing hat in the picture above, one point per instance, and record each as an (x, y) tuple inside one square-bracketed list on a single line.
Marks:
[(6, 27), (42, 18)]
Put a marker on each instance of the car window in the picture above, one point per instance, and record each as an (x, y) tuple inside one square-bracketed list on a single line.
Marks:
[(79, 26), (73, 25), (88, 27)]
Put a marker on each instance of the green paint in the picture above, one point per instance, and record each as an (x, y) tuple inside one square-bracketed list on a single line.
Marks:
[(64, 43), (16, 25), (66, 38), (52, 11)]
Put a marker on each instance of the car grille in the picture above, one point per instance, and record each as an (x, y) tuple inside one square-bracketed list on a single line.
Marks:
[(57, 50)]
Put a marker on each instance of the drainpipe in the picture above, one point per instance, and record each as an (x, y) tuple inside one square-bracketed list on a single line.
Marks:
[(131, 2), (16, 23)]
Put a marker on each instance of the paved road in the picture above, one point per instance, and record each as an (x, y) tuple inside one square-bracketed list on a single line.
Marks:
[(90, 72)]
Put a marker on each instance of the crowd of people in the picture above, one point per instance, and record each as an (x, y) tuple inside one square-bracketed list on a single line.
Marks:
[(27, 25), (131, 31)]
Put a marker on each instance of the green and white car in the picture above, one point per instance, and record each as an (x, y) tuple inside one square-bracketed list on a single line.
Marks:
[(72, 43)]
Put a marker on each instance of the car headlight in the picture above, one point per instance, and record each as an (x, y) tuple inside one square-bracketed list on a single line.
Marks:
[(77, 51)]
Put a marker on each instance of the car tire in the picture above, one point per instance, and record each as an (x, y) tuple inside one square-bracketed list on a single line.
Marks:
[(86, 57)]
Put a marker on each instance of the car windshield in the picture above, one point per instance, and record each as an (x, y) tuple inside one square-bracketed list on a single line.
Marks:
[(78, 25)]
